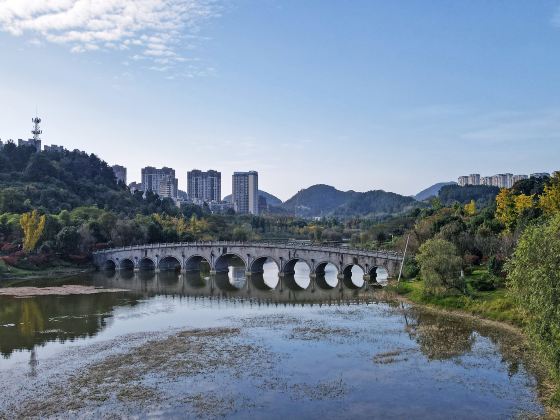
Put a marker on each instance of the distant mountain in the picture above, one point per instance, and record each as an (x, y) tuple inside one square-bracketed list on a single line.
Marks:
[(432, 191), (324, 200), (271, 200), (317, 200)]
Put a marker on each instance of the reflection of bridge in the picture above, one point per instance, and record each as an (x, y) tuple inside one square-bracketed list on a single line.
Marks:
[(218, 255)]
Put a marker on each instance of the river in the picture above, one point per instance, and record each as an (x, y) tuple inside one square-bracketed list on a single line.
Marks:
[(199, 346)]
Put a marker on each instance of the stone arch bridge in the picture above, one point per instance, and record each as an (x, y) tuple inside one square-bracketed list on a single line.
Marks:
[(188, 257)]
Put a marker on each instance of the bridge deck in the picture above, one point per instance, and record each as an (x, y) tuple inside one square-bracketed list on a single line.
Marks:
[(272, 245)]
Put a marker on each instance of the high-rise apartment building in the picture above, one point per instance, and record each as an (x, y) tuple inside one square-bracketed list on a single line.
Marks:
[(204, 186), (245, 192), (463, 180), (160, 181), (474, 179), (120, 173)]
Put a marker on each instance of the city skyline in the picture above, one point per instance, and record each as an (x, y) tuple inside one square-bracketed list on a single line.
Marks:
[(386, 95), (210, 180)]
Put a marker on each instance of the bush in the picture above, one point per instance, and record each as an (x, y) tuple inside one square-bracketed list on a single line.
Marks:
[(495, 266), (484, 283), (410, 268)]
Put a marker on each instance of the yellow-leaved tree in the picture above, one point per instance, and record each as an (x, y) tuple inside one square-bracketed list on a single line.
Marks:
[(523, 202), (33, 226), (550, 198), (505, 208), (470, 209)]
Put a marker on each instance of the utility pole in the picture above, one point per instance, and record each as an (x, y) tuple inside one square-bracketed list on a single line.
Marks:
[(404, 256)]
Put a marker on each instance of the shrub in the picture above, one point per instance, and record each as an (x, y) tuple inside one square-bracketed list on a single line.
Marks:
[(484, 283)]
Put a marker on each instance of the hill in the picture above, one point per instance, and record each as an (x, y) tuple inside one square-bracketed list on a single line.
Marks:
[(484, 195), (56, 181), (270, 199), (432, 191), (325, 200)]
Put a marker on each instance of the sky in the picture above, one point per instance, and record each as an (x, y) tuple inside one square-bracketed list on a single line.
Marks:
[(361, 94)]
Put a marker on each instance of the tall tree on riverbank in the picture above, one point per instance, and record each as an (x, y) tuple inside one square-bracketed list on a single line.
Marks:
[(534, 282), (440, 266), (33, 226)]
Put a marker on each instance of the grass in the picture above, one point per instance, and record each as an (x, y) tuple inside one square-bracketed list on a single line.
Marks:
[(495, 305)]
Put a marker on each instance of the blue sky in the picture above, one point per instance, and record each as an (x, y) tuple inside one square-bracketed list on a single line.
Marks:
[(362, 95)]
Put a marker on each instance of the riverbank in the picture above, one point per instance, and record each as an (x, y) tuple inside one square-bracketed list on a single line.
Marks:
[(493, 305), (493, 308), (12, 275)]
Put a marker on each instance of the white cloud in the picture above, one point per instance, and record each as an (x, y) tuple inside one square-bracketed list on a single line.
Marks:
[(148, 29)]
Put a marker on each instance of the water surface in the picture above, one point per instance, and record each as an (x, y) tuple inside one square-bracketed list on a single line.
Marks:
[(194, 345)]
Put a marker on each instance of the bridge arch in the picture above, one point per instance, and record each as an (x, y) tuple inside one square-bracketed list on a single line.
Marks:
[(126, 264), (325, 278), (259, 262), (289, 266), (109, 264), (170, 263), (193, 263), (146, 263), (350, 273), (320, 267), (222, 263)]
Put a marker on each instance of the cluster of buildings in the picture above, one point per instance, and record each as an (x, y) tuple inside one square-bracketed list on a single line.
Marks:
[(498, 180), (203, 188), (36, 140)]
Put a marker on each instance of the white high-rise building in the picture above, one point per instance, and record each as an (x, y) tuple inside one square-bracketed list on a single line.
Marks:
[(120, 173), (474, 179), (463, 180), (204, 186), (245, 192), (160, 181)]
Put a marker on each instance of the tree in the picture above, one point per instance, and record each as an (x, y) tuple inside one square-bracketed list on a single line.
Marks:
[(523, 202), (440, 266), (534, 283), (470, 209), (33, 226), (68, 239), (506, 212), (550, 199)]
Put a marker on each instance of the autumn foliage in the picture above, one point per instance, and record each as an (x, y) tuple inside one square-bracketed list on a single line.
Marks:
[(33, 226)]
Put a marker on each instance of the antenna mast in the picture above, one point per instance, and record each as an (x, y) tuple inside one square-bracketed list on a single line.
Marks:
[(36, 129)]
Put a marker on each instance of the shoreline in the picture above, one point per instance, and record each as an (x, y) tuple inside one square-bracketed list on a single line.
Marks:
[(59, 272), (546, 387)]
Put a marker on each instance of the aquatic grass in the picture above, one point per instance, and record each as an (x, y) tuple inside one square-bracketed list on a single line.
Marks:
[(494, 305)]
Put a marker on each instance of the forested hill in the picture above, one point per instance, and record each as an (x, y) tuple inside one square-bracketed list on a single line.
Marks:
[(55, 181), (483, 195), (325, 200)]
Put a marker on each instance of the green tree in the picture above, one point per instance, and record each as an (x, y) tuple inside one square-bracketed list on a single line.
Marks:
[(534, 283), (68, 239), (440, 266)]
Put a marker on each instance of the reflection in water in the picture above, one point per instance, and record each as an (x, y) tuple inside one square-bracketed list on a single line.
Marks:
[(26, 323), (387, 342), (443, 336)]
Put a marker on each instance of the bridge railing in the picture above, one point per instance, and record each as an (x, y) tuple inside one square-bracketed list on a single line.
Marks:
[(266, 244)]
